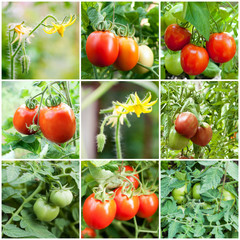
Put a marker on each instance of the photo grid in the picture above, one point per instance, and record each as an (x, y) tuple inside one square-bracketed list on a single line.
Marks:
[(119, 120)]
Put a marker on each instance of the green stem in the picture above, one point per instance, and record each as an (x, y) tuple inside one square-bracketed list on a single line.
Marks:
[(38, 189), (136, 227), (149, 68), (105, 86), (11, 55), (105, 121), (123, 229), (95, 72), (118, 142)]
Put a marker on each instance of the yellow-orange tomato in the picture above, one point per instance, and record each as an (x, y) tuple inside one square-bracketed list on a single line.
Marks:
[(128, 54)]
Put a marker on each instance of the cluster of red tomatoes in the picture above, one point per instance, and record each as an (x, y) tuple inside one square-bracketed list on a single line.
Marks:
[(221, 48), (104, 48), (58, 123), (99, 215), (187, 127)]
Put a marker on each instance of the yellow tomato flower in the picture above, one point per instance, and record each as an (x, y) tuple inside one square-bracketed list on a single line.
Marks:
[(60, 28), (22, 32), (116, 112), (138, 106)]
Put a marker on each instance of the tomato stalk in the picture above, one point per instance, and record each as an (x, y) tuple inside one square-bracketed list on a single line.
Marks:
[(117, 136), (149, 68)]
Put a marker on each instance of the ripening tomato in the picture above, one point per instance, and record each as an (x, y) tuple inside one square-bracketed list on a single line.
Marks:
[(102, 48), (127, 208), (176, 37), (203, 135), (148, 205), (88, 233), (221, 47), (23, 117), (186, 124), (58, 124), (194, 59), (146, 58), (98, 214), (132, 179), (176, 141), (128, 54)]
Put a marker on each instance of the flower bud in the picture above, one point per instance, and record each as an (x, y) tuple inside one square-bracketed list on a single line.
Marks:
[(101, 140)]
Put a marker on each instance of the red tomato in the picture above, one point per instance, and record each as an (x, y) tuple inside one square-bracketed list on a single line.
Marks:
[(88, 232), (128, 54), (132, 179), (194, 59), (102, 48), (221, 47), (176, 37), (127, 208), (203, 135), (23, 117), (186, 124), (97, 214), (148, 205), (58, 124)]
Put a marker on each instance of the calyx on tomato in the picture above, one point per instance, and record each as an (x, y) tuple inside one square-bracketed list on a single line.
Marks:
[(176, 141), (132, 179), (203, 135), (179, 194), (186, 124)]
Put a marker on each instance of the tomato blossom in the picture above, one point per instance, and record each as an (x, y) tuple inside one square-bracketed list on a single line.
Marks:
[(22, 32), (60, 28), (138, 106), (116, 112)]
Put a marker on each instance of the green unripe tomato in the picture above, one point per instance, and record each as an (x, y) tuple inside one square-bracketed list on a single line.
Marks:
[(61, 198), (179, 194), (227, 195), (191, 87), (196, 191), (182, 208), (176, 141), (206, 206), (173, 63), (45, 211)]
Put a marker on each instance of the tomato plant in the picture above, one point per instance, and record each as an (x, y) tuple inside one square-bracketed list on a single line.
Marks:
[(97, 214), (170, 16), (179, 194), (146, 58), (186, 124), (221, 47), (44, 211), (61, 198), (128, 54), (203, 135), (173, 63), (127, 207), (227, 196), (102, 48), (88, 233), (176, 141), (148, 205), (23, 118), (135, 182), (194, 59), (57, 123), (196, 191), (176, 37)]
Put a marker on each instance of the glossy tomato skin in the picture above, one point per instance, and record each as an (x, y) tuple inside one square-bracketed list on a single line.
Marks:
[(45, 211), (58, 124), (194, 59), (127, 208), (173, 63), (186, 124), (176, 37), (148, 205), (196, 191), (179, 194), (88, 232), (98, 214), (146, 58), (203, 135), (61, 198), (132, 179), (221, 47), (102, 48), (24, 116), (128, 54), (176, 141)]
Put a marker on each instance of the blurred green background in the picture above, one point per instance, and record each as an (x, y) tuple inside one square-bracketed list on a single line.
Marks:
[(52, 56)]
